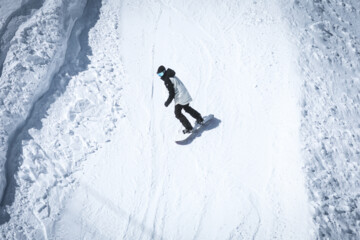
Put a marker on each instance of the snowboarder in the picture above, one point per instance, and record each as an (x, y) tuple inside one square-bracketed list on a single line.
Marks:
[(182, 98)]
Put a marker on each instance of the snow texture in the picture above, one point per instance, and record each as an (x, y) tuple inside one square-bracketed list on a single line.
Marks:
[(31, 57), (328, 34), (103, 163), (88, 146)]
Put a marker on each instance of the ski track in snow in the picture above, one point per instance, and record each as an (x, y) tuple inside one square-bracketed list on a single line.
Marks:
[(103, 163), (212, 188)]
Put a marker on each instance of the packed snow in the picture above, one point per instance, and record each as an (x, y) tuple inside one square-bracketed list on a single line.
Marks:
[(88, 149)]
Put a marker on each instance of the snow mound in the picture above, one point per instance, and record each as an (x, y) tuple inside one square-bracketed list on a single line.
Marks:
[(34, 54), (70, 132)]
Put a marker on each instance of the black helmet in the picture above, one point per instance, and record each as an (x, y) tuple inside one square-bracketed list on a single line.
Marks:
[(161, 69)]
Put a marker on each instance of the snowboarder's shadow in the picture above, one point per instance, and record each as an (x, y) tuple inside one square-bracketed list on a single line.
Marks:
[(213, 123)]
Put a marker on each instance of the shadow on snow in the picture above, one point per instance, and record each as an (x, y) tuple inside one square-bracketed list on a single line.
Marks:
[(213, 123), (11, 25), (76, 61)]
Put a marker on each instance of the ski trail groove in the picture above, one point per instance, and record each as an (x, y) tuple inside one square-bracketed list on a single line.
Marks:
[(43, 228), (258, 215), (75, 61), (201, 219), (154, 184)]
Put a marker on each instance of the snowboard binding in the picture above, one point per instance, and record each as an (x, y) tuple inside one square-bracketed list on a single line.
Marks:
[(187, 131)]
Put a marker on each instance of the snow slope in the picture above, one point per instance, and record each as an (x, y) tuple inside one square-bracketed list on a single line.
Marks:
[(241, 179), (12, 14), (28, 62), (327, 32), (104, 165)]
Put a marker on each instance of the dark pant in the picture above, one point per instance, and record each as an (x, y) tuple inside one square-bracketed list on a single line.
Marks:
[(185, 122)]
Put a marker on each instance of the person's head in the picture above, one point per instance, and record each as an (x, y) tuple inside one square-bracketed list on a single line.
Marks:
[(161, 71)]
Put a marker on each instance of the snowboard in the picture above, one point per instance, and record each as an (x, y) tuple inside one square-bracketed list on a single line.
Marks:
[(181, 137)]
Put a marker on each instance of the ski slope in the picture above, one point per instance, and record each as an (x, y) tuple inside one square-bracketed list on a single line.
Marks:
[(104, 164), (240, 180)]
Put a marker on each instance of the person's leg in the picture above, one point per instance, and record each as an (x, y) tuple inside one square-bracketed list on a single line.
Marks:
[(185, 122), (195, 114)]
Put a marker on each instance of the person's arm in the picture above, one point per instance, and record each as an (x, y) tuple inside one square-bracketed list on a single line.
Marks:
[(170, 87)]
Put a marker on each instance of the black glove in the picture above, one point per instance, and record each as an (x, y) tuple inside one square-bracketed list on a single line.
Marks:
[(166, 104)]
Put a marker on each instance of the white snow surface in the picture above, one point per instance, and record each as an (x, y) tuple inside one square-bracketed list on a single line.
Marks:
[(327, 32), (242, 179), (103, 164), (35, 52)]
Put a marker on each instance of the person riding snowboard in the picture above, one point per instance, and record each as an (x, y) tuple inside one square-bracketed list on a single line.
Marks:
[(182, 98)]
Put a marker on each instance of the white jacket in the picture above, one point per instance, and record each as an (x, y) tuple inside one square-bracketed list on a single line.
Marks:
[(182, 96)]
